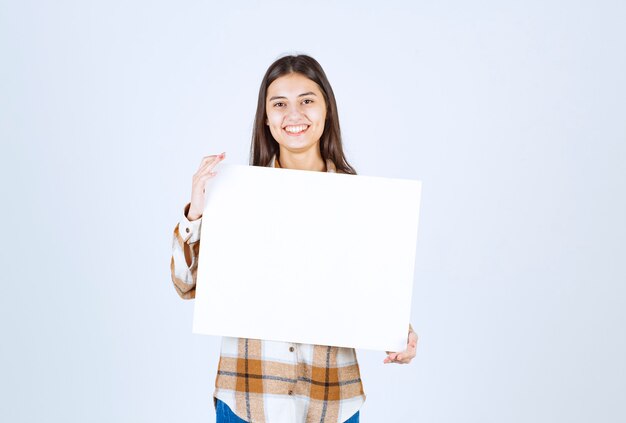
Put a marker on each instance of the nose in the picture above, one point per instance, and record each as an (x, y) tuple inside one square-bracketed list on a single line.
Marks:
[(293, 112)]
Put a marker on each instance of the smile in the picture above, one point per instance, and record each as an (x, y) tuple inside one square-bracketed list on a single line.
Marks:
[(296, 129)]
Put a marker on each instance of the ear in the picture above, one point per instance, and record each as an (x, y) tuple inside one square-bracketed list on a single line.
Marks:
[(267, 122)]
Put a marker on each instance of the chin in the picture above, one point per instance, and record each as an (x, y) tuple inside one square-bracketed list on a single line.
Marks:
[(297, 147)]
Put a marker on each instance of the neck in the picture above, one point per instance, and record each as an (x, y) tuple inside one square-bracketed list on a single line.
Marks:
[(306, 160)]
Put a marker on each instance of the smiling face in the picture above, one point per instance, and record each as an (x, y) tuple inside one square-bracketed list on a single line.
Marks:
[(296, 112)]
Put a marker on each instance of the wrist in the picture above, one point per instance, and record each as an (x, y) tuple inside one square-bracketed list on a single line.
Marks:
[(191, 214)]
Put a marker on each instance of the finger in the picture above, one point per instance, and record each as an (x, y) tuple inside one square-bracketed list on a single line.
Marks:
[(210, 165), (407, 357), (204, 172), (210, 175), (209, 161), (206, 159), (400, 359), (208, 169), (211, 157), (200, 179), (207, 164)]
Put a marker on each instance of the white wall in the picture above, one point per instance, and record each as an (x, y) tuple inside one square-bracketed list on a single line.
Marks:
[(511, 113)]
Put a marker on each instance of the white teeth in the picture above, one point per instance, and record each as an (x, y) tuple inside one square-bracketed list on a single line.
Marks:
[(295, 129)]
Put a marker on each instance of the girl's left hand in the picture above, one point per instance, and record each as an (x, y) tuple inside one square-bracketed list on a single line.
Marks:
[(405, 356)]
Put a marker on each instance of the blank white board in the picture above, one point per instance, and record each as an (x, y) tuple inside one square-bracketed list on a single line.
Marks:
[(307, 257)]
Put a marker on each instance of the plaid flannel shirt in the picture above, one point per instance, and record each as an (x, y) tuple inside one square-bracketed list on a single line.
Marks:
[(270, 381)]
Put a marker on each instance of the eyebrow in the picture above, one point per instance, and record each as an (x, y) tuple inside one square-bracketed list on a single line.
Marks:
[(278, 97)]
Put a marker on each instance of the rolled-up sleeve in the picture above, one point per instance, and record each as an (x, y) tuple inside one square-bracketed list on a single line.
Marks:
[(185, 248)]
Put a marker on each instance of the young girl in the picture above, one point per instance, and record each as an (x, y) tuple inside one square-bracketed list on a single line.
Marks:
[(296, 127)]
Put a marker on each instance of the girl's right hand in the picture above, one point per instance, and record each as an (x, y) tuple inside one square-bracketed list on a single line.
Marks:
[(204, 173)]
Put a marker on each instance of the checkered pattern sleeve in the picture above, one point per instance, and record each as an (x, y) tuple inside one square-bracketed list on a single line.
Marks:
[(185, 248)]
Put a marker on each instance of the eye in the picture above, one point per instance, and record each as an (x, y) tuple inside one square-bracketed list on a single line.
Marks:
[(279, 104), (307, 101)]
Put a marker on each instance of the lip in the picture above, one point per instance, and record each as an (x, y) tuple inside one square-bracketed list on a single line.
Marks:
[(297, 134)]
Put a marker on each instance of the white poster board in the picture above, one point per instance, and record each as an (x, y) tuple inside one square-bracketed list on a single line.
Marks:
[(307, 257)]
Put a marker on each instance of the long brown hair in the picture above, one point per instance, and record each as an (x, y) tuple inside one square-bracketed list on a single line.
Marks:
[(264, 146)]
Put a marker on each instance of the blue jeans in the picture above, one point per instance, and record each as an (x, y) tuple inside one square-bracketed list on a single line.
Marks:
[(225, 415)]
